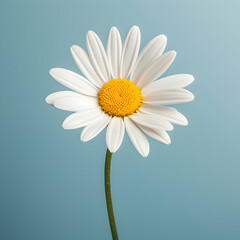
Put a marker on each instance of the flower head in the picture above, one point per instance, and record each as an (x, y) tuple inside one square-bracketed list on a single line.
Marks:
[(106, 98)]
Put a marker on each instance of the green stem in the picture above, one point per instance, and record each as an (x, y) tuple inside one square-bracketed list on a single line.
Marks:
[(108, 195)]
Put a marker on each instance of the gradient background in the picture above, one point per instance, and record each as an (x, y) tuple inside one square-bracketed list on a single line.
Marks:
[(51, 184)]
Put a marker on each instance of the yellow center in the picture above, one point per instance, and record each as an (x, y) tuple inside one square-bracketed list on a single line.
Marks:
[(119, 97)]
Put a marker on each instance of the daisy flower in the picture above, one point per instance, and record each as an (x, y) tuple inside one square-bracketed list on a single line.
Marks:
[(108, 97), (119, 90)]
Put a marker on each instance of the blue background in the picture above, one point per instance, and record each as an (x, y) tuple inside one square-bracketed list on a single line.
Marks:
[(51, 184)]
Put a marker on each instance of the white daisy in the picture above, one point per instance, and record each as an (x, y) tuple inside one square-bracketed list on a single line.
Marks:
[(105, 98)]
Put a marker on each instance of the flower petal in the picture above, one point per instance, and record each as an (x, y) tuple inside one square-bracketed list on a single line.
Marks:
[(73, 81), (174, 81), (93, 129), (148, 55), (97, 56), (82, 60), (151, 121), (169, 113), (76, 103), (81, 119), (137, 136), (114, 51), (157, 134), (115, 134), (54, 96), (156, 69), (170, 96), (131, 46)]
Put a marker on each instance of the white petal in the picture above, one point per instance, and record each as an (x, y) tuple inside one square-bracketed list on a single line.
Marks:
[(76, 103), (167, 97), (81, 119), (157, 134), (137, 136), (148, 55), (73, 81), (151, 121), (174, 81), (93, 129), (82, 60), (54, 96), (114, 51), (156, 69), (97, 55), (169, 113), (115, 134), (130, 51)]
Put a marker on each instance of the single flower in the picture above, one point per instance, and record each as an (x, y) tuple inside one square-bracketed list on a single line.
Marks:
[(106, 98)]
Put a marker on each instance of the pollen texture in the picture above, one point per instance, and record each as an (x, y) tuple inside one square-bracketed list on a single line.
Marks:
[(119, 97)]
